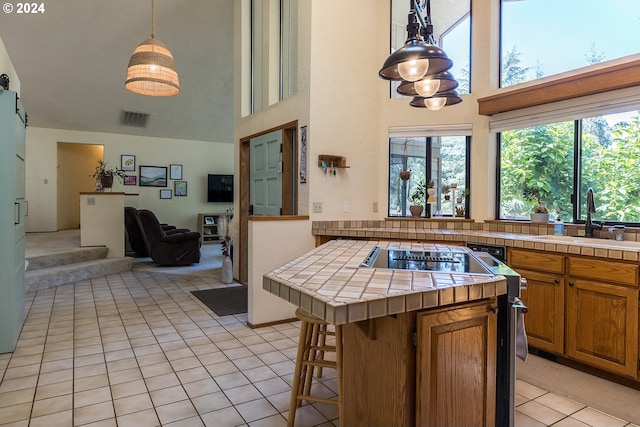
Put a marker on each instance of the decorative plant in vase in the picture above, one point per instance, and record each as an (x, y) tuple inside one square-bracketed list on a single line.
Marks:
[(445, 191), (417, 200), (405, 175), (104, 175), (540, 212), (226, 273), (431, 191)]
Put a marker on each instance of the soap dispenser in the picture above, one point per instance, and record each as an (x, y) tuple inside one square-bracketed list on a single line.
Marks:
[(558, 227)]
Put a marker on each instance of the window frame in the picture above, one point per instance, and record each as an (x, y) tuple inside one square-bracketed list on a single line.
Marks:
[(577, 198), (429, 136)]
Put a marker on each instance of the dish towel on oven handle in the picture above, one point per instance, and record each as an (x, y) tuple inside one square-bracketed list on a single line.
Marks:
[(522, 349)]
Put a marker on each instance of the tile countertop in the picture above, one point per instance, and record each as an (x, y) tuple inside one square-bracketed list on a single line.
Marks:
[(329, 282), (570, 245)]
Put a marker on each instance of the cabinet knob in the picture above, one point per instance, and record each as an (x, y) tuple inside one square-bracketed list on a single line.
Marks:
[(571, 284), (495, 310), (556, 281)]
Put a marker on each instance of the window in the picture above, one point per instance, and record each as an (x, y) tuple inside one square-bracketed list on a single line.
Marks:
[(545, 37), (562, 160), (273, 68), (451, 29), (441, 161)]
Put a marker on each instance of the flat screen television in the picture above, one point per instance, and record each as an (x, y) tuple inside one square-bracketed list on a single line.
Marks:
[(220, 188)]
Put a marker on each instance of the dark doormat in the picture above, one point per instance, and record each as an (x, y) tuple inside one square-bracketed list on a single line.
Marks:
[(224, 301)]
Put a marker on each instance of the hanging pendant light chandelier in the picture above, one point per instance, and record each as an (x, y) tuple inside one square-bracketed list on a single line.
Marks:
[(152, 70), (420, 65)]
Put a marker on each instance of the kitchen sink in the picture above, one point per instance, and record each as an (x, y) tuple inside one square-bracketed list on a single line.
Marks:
[(586, 240)]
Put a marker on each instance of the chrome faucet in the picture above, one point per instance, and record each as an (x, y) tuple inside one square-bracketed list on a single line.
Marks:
[(589, 226)]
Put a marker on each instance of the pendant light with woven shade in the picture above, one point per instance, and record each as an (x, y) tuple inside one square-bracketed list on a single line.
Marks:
[(152, 70)]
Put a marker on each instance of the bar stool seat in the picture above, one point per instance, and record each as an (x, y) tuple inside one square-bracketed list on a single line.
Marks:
[(311, 357)]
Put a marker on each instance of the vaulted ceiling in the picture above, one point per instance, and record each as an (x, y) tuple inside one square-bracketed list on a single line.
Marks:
[(72, 62)]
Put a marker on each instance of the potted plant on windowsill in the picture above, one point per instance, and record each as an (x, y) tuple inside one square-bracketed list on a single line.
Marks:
[(431, 191), (417, 200), (104, 175), (445, 191), (540, 213)]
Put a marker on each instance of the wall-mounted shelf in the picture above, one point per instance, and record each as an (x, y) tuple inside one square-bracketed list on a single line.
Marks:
[(329, 161)]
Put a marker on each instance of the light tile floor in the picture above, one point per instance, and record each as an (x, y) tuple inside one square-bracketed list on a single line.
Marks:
[(137, 349)]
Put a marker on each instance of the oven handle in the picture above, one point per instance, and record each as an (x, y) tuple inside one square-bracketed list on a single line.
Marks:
[(516, 304)]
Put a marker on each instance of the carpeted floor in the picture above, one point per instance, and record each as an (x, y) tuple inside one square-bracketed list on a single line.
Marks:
[(210, 259)]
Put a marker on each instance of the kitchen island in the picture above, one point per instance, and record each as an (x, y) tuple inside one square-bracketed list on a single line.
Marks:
[(419, 346)]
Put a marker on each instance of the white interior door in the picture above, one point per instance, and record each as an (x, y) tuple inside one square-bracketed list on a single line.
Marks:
[(266, 174)]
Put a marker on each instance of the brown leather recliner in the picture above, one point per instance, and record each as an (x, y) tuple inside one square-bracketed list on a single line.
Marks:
[(177, 248), (134, 232)]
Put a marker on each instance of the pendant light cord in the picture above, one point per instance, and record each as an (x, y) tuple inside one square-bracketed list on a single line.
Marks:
[(153, 19)]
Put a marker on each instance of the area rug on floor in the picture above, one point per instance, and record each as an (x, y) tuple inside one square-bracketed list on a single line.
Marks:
[(224, 301)]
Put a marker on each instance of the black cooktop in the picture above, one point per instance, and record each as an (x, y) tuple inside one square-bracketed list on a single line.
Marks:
[(446, 261)]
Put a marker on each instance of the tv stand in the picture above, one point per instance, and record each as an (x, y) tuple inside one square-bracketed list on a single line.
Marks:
[(211, 228)]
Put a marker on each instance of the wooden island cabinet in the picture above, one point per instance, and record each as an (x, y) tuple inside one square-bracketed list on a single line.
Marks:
[(582, 308), (428, 368)]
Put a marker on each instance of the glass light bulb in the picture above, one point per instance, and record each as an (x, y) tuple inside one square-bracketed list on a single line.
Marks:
[(413, 70), (427, 87), (435, 104)]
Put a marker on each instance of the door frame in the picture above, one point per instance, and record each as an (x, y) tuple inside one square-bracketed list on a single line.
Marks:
[(289, 187)]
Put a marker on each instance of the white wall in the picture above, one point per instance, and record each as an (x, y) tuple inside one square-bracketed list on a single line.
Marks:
[(198, 158), (272, 244)]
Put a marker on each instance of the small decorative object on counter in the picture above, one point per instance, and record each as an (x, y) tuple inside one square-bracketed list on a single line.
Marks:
[(558, 227)]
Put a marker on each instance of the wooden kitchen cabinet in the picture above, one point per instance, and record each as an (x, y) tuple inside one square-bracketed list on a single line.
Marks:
[(544, 297), (602, 315), (456, 367), (582, 308), (444, 375)]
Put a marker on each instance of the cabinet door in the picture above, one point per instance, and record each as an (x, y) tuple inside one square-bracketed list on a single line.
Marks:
[(456, 367), (544, 321), (602, 326)]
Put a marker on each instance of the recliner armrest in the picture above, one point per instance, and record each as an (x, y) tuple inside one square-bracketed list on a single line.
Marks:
[(181, 237)]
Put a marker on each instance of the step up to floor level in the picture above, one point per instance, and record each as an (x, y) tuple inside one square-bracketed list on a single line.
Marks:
[(66, 256), (44, 278)]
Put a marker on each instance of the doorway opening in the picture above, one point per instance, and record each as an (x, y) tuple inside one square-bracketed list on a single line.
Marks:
[(289, 190), (76, 163)]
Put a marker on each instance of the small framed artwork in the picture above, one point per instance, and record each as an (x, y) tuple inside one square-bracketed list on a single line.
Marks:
[(127, 162), (153, 176), (180, 188), (165, 194), (175, 171), (208, 220), (130, 180)]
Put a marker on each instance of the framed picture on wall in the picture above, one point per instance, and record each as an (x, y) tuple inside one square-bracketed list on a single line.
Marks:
[(127, 162), (165, 194), (180, 188), (153, 176), (130, 180), (175, 171)]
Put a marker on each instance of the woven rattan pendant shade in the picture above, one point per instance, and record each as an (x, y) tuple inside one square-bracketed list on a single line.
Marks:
[(152, 70)]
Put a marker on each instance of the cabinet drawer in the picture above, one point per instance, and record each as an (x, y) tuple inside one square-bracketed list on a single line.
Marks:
[(539, 261), (607, 271)]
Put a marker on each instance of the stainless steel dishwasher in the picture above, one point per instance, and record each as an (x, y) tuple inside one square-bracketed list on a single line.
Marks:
[(494, 258)]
